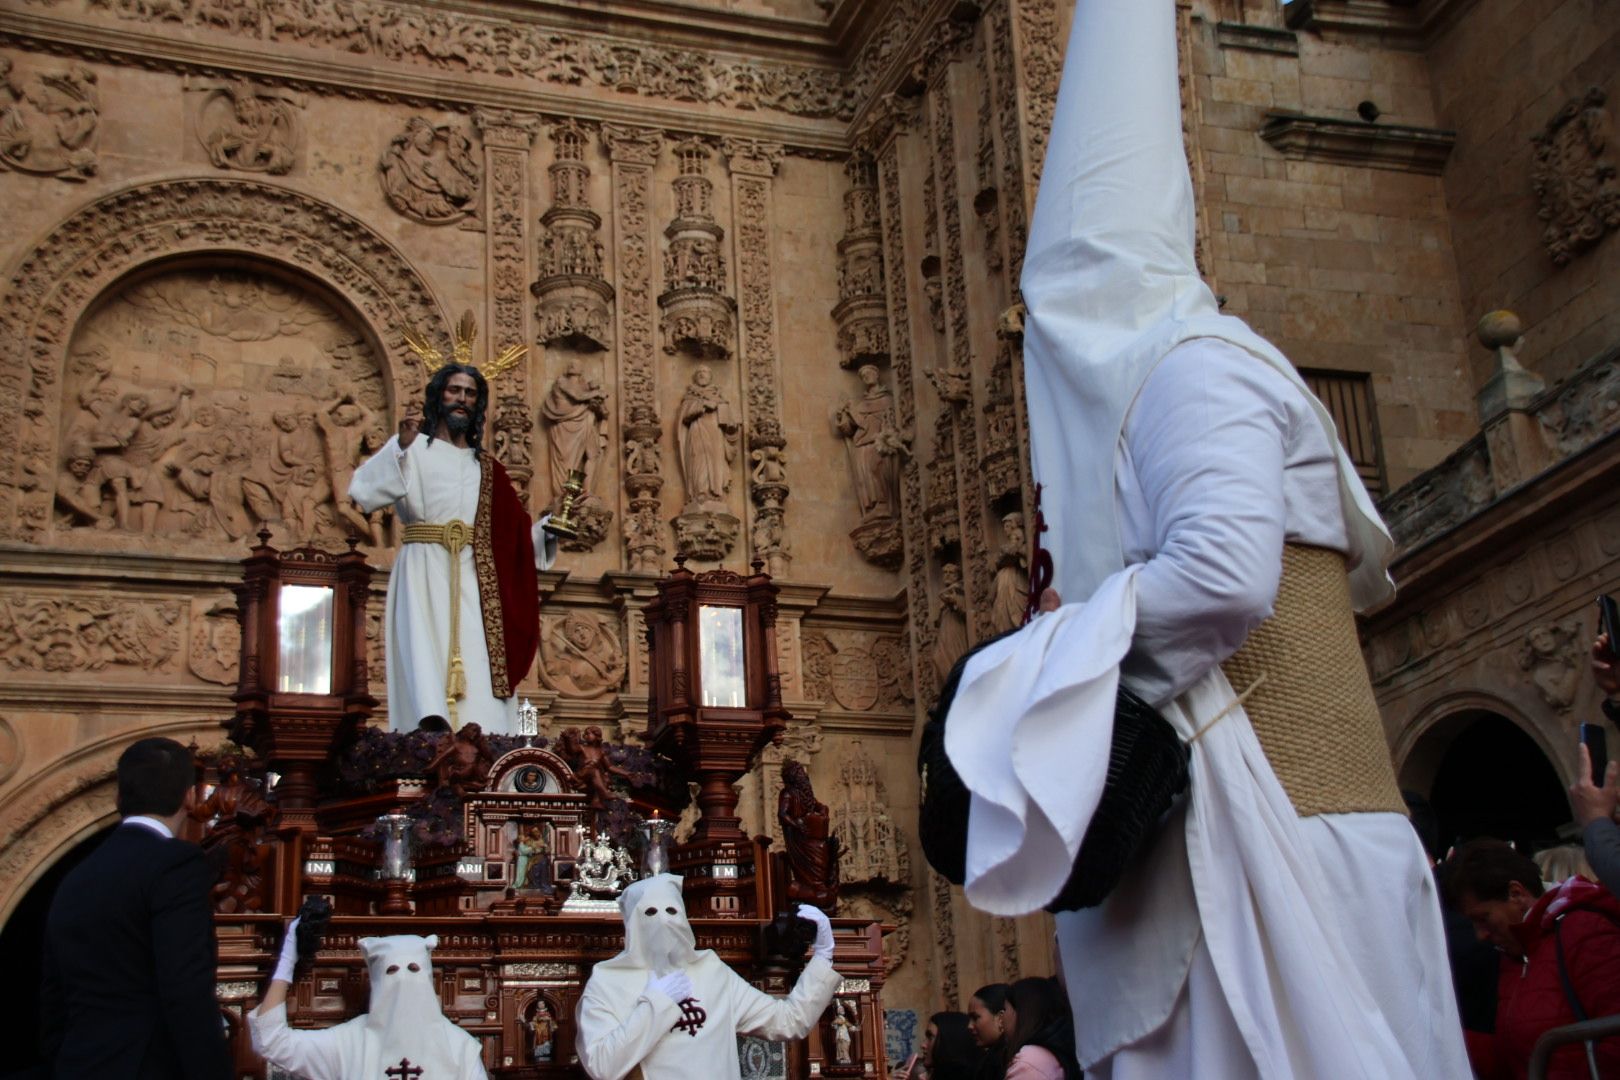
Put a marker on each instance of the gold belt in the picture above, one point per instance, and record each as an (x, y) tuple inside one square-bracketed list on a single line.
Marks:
[(452, 536)]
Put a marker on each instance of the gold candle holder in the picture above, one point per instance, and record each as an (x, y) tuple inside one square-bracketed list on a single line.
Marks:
[(562, 524)]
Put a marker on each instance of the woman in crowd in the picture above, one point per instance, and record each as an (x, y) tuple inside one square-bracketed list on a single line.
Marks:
[(1040, 1032), (986, 1025), (948, 1051)]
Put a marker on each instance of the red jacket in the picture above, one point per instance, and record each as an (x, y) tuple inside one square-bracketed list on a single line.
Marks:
[(1530, 997)]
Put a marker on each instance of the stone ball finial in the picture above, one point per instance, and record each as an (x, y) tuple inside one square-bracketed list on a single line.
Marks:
[(1499, 329)]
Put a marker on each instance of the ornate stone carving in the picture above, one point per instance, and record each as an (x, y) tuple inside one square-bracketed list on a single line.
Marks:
[(950, 621), (1574, 174), (506, 48), (430, 174), (1553, 654), (753, 165), (216, 641), (155, 443), (863, 321), (1010, 589), (706, 435), (704, 534), (572, 293), (55, 283), (1002, 462), (580, 655), (247, 127), (633, 152), (860, 672), (817, 652), (58, 635), (871, 847), (944, 526), (575, 414), (49, 122), (698, 316), (876, 446)]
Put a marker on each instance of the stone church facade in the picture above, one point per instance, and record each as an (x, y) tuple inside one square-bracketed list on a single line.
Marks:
[(764, 255)]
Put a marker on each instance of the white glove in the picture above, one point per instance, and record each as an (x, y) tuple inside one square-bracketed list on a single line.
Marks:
[(823, 947), (289, 954), (676, 986)]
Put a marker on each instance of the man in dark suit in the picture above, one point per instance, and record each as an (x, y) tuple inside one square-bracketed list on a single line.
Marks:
[(130, 954)]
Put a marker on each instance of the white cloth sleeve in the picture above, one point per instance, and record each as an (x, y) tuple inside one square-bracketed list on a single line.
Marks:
[(380, 479), (545, 545), (608, 1047), (314, 1055), (1205, 444), (792, 1017)]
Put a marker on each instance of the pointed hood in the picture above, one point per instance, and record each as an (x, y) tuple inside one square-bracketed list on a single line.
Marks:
[(1111, 286)]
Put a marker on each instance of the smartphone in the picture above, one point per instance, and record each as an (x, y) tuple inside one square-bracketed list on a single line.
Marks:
[(1597, 746), (1609, 621)]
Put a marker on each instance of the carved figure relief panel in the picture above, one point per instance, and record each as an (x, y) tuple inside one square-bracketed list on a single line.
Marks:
[(49, 116), (200, 404), (1574, 174), (246, 127), (430, 172), (580, 654)]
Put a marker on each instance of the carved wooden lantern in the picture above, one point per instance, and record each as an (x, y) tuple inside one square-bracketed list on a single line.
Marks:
[(715, 699), (303, 674)]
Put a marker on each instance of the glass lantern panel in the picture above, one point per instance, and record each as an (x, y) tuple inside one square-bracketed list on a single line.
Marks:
[(304, 627), (720, 636)]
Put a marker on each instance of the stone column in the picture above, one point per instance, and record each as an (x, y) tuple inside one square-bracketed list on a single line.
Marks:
[(633, 152), (508, 136), (753, 166)]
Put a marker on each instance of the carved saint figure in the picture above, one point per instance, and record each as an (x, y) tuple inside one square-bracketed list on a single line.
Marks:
[(424, 184), (236, 816), (706, 433), (574, 410), (1551, 653), (950, 638), (83, 486), (257, 135), (1010, 592), (542, 1027), (843, 1033), (812, 852), (49, 124), (872, 436), (347, 432)]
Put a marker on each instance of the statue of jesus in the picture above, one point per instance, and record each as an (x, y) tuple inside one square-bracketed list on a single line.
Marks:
[(463, 618)]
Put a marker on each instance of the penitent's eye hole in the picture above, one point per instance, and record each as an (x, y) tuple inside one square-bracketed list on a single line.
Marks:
[(393, 969), (651, 911), (412, 967), (670, 909)]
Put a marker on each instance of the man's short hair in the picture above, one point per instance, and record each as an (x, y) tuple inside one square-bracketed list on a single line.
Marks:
[(1485, 868), (153, 776)]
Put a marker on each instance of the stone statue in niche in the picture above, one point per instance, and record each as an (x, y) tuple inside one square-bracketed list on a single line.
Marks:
[(1010, 590), (575, 414), (812, 852), (250, 128), (706, 435), (1553, 656), (430, 174), (580, 655), (49, 121), (198, 405), (950, 631), (875, 443)]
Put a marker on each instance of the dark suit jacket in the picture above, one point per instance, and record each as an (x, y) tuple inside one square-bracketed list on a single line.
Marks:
[(130, 962)]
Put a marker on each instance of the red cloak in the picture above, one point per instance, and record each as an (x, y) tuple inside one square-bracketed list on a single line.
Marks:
[(508, 590)]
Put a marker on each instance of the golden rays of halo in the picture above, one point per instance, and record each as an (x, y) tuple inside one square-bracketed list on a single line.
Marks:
[(462, 351)]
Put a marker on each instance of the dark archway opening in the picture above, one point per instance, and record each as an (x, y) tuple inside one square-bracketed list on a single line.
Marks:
[(22, 959), (1490, 778)]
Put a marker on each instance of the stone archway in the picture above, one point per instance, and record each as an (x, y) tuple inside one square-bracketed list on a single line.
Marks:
[(52, 288)]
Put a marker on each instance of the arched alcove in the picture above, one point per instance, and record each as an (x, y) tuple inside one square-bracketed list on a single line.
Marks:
[(1485, 775)]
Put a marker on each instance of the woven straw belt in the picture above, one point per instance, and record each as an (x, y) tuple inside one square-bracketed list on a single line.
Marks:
[(1312, 705), (452, 536)]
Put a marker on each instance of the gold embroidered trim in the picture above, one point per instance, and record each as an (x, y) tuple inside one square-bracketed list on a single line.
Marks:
[(489, 585)]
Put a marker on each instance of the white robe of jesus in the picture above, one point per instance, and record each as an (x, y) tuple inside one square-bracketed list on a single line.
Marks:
[(433, 481)]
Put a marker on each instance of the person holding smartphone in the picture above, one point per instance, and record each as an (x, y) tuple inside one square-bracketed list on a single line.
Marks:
[(1595, 805)]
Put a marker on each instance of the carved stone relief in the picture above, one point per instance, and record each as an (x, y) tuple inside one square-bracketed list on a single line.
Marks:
[(580, 655), (216, 641), (860, 672), (49, 122), (573, 296), (698, 316), (877, 445), (247, 127), (863, 321), (55, 634), (430, 172), (452, 41), (199, 404), (871, 848), (950, 621), (44, 302), (575, 414), (1553, 655), (1574, 175), (706, 436)]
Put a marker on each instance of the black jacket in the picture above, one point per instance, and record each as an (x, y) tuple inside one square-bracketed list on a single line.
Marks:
[(130, 963)]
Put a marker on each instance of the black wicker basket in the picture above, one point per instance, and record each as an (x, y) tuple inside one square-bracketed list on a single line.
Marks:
[(1147, 769)]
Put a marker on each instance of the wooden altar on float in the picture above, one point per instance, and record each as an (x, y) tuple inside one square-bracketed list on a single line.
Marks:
[(514, 950)]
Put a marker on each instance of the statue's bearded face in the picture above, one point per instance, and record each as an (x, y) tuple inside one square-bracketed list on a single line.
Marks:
[(459, 399)]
